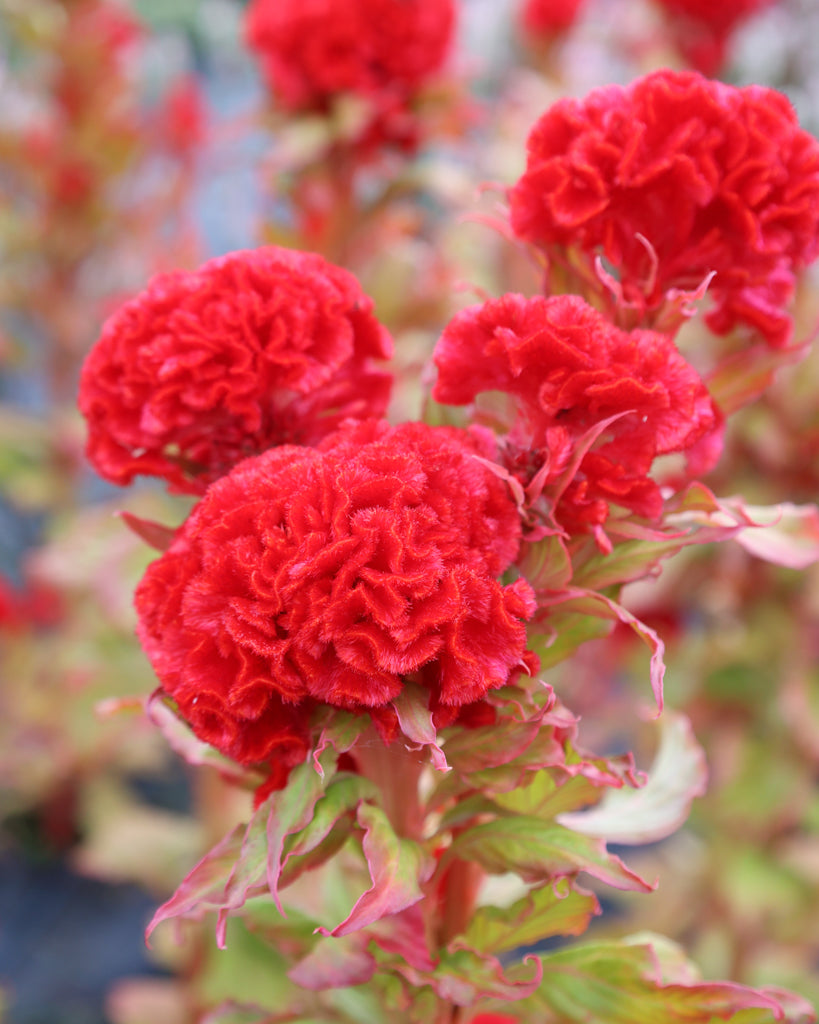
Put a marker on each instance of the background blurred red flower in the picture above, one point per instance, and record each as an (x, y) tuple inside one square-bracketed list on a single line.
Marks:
[(702, 28), (674, 177), (203, 368), (569, 370), (545, 17), (314, 50), (332, 575)]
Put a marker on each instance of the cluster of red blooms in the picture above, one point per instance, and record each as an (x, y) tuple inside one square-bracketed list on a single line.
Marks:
[(382, 51), (333, 558), (740, 175), (203, 369)]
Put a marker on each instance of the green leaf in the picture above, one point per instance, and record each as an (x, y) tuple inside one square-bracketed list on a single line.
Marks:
[(334, 963), (463, 977), (654, 811), (599, 606), (249, 860), (415, 721), (330, 821), (542, 851), (540, 914), (618, 983), (398, 868)]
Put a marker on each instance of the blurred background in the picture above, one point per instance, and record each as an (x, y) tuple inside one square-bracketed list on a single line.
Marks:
[(140, 137)]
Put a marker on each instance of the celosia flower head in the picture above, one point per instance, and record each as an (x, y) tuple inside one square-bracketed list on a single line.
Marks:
[(254, 349), (332, 575), (675, 177), (568, 371), (314, 50)]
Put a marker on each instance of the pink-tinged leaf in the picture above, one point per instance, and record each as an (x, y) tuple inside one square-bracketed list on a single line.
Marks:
[(497, 758), (248, 861), (680, 305), (334, 963), (541, 851), (600, 606), (331, 820), (546, 564), (463, 977), (155, 534), (784, 534), (742, 377), (339, 732), (415, 721), (404, 935), (203, 888), (634, 816), (289, 810), (398, 868), (542, 913), (120, 706), (620, 983), (181, 740)]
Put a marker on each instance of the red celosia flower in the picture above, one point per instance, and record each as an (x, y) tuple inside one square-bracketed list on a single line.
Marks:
[(548, 17), (674, 177), (314, 50), (702, 28), (332, 575), (570, 370), (202, 369)]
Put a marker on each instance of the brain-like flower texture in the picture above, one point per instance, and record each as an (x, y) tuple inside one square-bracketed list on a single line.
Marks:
[(672, 178), (255, 349), (314, 50), (571, 374), (333, 575)]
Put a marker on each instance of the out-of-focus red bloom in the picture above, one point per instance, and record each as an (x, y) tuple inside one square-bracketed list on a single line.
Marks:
[(312, 51), (703, 28), (256, 348), (569, 370), (332, 575), (674, 177), (182, 120), (549, 17), (11, 618), (38, 605), (100, 34), (494, 1018)]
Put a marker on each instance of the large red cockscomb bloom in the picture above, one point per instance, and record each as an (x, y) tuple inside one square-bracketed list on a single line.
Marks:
[(548, 17), (568, 370), (672, 178), (332, 575), (312, 51), (703, 28), (254, 349)]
